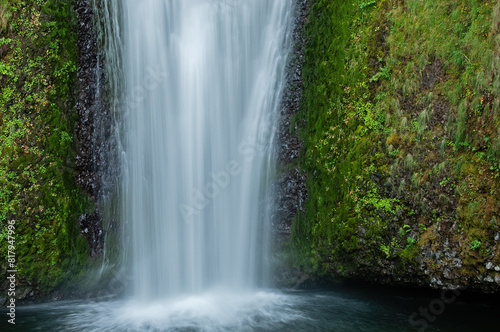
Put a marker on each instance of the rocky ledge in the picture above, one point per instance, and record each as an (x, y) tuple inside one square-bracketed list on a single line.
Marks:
[(90, 108)]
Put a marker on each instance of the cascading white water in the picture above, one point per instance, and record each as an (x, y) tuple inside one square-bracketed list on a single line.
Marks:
[(203, 81)]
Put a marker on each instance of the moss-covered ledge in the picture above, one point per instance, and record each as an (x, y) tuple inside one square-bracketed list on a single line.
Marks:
[(38, 66), (400, 120)]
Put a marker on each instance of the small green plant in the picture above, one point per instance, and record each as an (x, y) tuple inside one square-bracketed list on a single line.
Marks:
[(5, 41), (394, 152), (367, 4), (442, 147), (475, 245), (410, 162), (423, 120), (415, 179), (401, 233), (384, 73), (444, 182), (411, 241), (401, 187), (386, 250)]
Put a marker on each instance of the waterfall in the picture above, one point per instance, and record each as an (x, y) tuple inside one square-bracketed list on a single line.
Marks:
[(202, 82)]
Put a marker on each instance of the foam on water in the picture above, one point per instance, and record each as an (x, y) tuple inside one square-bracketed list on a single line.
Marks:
[(210, 311)]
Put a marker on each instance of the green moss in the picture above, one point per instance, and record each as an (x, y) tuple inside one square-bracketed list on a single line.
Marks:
[(37, 180), (401, 128)]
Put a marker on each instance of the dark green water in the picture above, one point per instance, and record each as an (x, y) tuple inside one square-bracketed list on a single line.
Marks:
[(353, 309)]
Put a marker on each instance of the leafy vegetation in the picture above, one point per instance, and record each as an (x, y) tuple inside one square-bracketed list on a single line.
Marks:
[(400, 119), (38, 60)]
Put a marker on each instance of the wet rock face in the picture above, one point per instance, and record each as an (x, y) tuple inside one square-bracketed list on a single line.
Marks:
[(288, 192), (93, 232), (289, 144), (87, 103), (89, 109)]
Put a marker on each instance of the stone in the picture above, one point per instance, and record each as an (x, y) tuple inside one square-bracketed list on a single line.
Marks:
[(457, 263), (435, 281)]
